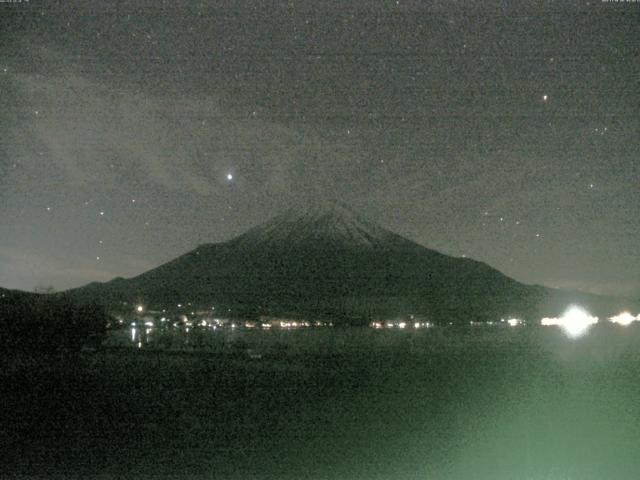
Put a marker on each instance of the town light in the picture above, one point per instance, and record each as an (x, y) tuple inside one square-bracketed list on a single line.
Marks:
[(575, 322), (625, 318)]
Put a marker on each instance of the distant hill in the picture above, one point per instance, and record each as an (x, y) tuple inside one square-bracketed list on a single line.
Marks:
[(35, 324), (7, 295), (328, 261)]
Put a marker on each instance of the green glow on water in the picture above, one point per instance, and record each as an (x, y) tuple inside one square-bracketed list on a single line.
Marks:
[(510, 403)]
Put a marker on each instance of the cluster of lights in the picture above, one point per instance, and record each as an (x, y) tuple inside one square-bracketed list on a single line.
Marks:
[(215, 323), (575, 322), (399, 324), (294, 324)]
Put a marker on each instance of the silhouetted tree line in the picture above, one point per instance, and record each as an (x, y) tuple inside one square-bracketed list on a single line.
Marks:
[(32, 323)]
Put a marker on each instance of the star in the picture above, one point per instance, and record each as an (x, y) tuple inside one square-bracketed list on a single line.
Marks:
[(102, 214), (229, 176), (545, 97)]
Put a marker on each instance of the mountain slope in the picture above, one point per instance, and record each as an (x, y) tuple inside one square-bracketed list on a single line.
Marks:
[(327, 261)]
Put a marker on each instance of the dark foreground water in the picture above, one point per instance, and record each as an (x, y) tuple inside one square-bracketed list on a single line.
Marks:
[(334, 404)]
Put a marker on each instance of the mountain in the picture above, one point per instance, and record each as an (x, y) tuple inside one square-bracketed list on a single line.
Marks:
[(327, 261)]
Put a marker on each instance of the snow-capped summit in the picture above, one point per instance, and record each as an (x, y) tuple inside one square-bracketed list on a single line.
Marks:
[(329, 222)]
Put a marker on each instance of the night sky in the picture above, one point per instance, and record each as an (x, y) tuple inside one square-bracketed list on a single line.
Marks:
[(131, 132)]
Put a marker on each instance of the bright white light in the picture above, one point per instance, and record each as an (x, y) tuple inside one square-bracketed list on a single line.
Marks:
[(402, 325), (229, 176), (139, 309), (148, 324), (545, 97), (625, 318), (514, 322), (575, 322)]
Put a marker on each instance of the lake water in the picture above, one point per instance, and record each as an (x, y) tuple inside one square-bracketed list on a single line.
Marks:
[(351, 403)]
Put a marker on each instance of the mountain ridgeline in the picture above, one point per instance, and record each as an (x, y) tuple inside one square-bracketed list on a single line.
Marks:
[(327, 262)]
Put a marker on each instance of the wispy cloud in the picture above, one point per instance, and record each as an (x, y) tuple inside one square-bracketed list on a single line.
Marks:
[(92, 132)]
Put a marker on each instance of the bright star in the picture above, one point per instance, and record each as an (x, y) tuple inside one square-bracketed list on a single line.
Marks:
[(229, 176)]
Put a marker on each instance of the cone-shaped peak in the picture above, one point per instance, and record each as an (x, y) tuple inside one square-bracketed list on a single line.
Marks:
[(324, 221)]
